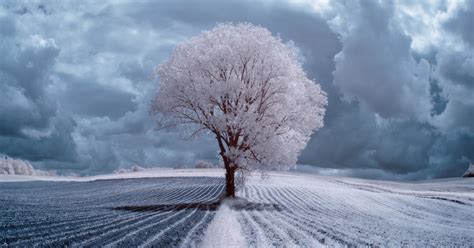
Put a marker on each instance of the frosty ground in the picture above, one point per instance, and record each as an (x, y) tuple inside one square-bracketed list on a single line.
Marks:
[(184, 208)]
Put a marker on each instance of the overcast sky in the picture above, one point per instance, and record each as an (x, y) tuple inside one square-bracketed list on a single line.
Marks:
[(75, 82)]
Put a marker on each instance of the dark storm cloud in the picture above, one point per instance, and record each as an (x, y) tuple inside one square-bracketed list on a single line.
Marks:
[(462, 23), (375, 64), (458, 68), (347, 139), (7, 27), (56, 145), (24, 72), (389, 134), (404, 147), (30, 126), (76, 84), (102, 100)]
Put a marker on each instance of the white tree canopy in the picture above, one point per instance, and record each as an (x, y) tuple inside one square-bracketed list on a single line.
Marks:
[(246, 87)]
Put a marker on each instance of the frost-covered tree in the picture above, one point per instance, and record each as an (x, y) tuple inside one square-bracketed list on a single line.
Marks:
[(15, 167), (470, 171), (248, 89), (12, 166)]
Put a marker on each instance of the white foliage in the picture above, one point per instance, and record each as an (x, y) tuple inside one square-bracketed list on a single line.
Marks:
[(203, 164), (49, 173), (247, 88), (11, 166), (137, 168), (470, 171), (134, 168)]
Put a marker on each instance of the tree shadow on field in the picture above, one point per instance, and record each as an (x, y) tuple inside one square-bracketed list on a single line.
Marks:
[(237, 204)]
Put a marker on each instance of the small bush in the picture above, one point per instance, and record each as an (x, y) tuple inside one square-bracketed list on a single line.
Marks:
[(203, 164)]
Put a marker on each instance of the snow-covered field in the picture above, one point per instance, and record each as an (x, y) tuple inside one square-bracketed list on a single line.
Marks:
[(178, 208)]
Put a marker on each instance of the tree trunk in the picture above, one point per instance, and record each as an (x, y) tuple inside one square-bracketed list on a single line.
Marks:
[(230, 182), (230, 170)]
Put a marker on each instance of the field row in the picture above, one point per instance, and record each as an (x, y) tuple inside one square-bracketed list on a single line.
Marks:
[(85, 214), (336, 214), (281, 211)]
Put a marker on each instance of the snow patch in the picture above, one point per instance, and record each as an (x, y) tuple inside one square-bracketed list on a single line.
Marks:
[(224, 230)]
